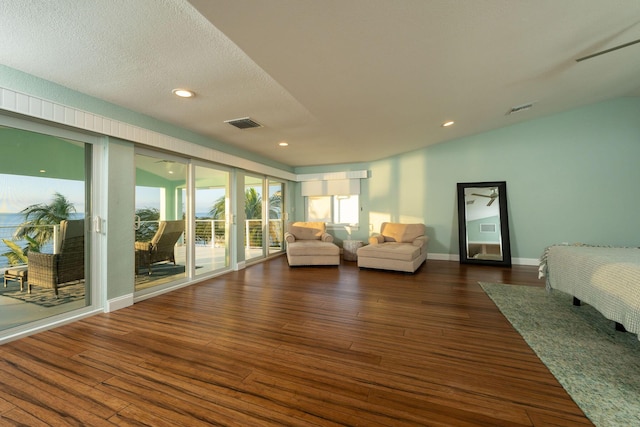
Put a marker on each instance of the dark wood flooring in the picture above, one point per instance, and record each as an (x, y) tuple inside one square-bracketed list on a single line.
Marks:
[(274, 346)]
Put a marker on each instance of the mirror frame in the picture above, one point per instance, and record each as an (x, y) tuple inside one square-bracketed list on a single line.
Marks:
[(504, 224)]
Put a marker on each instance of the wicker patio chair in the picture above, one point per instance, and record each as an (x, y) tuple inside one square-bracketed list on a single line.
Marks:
[(161, 247), (61, 269)]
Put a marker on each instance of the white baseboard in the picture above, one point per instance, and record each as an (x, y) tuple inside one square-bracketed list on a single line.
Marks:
[(526, 261), (118, 303), (443, 257), (240, 266), (456, 257)]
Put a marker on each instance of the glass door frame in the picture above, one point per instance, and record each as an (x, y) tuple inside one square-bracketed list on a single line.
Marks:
[(267, 211), (95, 211), (230, 244), (174, 212), (266, 182)]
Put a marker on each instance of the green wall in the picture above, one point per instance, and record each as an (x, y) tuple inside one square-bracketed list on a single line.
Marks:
[(475, 235), (571, 177), (26, 153)]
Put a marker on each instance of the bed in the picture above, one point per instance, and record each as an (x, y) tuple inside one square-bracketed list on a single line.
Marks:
[(607, 278)]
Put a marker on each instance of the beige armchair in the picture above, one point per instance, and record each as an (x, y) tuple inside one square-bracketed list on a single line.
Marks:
[(399, 247), (63, 268), (308, 243), (161, 247)]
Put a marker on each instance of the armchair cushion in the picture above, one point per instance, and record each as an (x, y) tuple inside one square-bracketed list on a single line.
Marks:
[(401, 247), (375, 239), (307, 230), (404, 233), (308, 243)]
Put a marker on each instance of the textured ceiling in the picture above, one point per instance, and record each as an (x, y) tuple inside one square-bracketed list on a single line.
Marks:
[(339, 80)]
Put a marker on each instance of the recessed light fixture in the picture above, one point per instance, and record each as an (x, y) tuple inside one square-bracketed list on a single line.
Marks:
[(42, 171), (447, 124), (183, 93), (283, 144)]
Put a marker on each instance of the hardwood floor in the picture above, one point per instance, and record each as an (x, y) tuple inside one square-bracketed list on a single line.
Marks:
[(270, 345)]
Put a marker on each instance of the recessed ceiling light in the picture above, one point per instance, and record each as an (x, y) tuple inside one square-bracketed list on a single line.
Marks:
[(183, 93), (42, 171), (447, 124), (283, 144)]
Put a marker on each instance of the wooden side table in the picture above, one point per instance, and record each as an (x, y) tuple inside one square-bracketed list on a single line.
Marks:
[(16, 273), (350, 249)]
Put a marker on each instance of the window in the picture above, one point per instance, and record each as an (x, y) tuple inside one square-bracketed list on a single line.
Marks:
[(343, 210)]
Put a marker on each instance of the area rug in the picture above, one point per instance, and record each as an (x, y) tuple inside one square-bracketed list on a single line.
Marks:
[(160, 274), (598, 366), (44, 296)]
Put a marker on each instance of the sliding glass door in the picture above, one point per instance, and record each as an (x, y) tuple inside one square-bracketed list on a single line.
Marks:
[(45, 207), (211, 206), (254, 222), (160, 249), (275, 219), (264, 221)]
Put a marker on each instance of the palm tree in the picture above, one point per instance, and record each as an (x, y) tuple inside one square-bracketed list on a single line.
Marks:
[(37, 228), (218, 209), (275, 205), (252, 210), (40, 219), (252, 204), (17, 255), (148, 224)]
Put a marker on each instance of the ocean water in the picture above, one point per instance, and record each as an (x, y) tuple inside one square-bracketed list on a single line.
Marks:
[(8, 225)]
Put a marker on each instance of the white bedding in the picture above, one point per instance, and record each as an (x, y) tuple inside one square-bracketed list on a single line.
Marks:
[(607, 278)]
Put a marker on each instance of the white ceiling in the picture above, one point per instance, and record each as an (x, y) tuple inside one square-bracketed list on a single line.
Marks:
[(341, 81)]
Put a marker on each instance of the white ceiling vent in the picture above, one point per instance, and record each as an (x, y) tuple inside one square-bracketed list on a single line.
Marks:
[(519, 108), (244, 123)]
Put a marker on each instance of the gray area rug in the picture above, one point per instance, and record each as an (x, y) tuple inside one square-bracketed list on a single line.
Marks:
[(45, 297), (598, 366)]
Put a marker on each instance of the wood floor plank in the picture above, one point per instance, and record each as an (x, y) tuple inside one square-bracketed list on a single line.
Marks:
[(309, 346)]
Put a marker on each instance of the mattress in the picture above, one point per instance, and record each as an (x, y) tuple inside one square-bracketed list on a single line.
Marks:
[(607, 278)]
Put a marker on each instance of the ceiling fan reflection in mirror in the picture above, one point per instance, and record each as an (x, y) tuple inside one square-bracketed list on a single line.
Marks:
[(493, 196)]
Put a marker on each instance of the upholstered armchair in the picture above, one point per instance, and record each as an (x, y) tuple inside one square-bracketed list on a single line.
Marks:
[(161, 247), (308, 243), (63, 268), (399, 247)]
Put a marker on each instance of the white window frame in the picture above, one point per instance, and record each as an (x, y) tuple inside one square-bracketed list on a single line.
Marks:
[(331, 220)]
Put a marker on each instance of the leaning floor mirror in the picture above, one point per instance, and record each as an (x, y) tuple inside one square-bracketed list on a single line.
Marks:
[(483, 223)]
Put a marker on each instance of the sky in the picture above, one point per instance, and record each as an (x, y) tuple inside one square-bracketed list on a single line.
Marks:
[(18, 192)]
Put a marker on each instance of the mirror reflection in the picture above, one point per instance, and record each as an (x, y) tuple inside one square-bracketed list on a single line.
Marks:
[(483, 227), (482, 215)]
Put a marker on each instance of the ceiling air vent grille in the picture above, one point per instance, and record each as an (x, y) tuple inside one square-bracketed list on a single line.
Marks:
[(244, 123)]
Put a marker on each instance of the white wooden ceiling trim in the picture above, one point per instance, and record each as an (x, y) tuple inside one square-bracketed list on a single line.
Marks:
[(29, 105)]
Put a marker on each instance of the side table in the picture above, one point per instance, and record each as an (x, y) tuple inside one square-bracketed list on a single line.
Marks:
[(350, 249), (18, 273)]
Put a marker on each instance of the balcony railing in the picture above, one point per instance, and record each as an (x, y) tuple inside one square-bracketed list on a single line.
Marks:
[(208, 232), (8, 231), (211, 232)]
